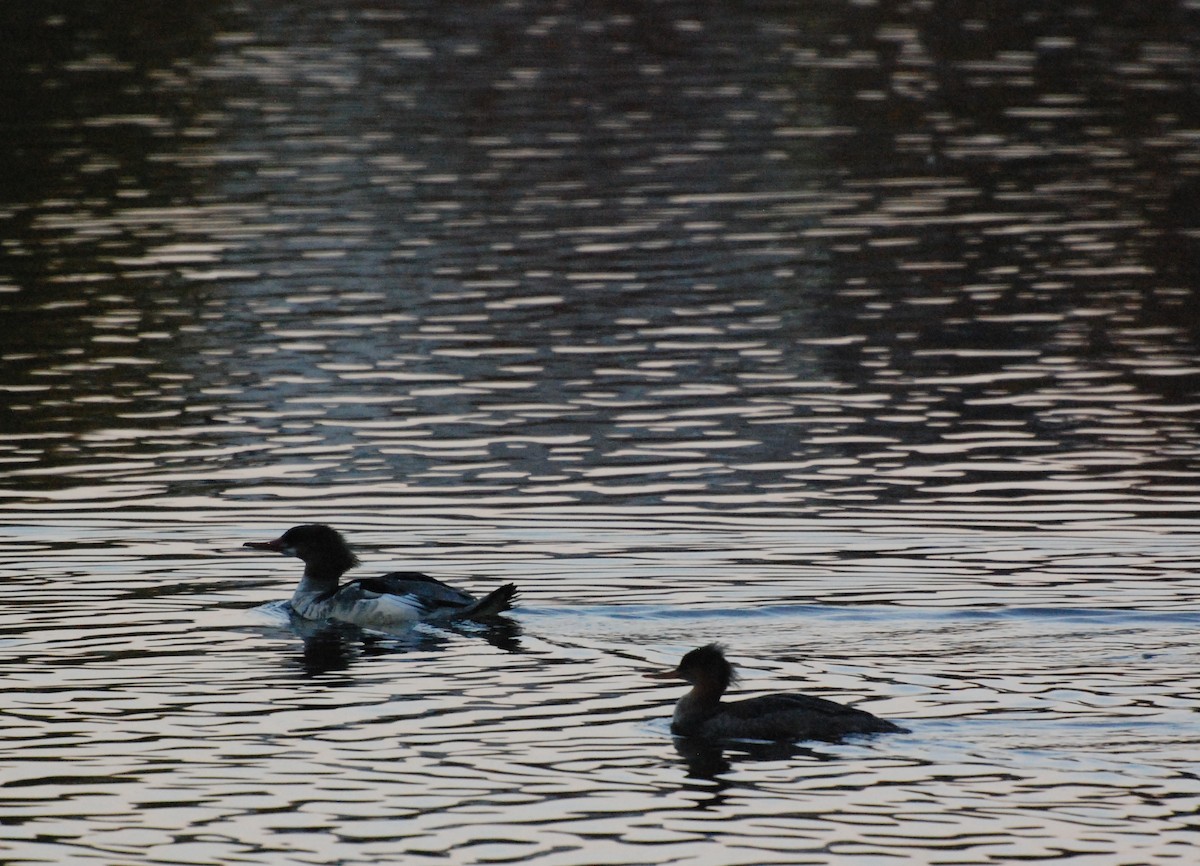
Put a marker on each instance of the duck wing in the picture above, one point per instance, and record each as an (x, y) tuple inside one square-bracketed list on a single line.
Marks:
[(429, 597), (429, 590), (793, 716)]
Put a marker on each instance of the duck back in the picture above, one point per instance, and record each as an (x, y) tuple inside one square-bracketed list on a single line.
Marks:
[(429, 589), (788, 717)]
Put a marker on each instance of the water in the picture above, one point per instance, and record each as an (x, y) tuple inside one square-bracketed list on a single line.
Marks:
[(861, 337)]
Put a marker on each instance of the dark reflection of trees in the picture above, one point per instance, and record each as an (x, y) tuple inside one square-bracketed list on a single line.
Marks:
[(953, 193), (92, 98), (1028, 215), (65, 64)]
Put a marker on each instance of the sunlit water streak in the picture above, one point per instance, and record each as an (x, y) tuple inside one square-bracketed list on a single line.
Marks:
[(861, 338), (177, 684)]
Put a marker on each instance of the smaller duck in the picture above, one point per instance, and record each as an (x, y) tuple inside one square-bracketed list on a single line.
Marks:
[(701, 713), (393, 600)]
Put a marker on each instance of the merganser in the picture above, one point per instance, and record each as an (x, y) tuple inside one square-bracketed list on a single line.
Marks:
[(701, 713), (396, 599)]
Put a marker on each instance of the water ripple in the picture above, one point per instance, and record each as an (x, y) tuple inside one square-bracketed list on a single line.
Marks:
[(861, 339)]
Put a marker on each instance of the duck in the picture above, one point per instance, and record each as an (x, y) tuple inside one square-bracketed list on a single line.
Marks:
[(391, 601), (779, 717)]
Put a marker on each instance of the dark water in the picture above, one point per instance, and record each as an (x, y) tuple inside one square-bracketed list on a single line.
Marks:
[(862, 337)]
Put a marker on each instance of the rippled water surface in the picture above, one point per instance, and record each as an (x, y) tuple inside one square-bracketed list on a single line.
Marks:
[(861, 337)]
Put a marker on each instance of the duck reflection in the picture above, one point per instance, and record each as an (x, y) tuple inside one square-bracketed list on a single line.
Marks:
[(710, 759), (330, 645)]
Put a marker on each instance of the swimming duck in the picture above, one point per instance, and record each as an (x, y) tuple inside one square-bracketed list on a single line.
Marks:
[(701, 713), (395, 599)]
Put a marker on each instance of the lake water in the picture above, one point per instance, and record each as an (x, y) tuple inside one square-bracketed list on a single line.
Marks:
[(861, 337)]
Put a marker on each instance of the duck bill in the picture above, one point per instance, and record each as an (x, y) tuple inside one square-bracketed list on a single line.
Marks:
[(672, 674), (276, 545)]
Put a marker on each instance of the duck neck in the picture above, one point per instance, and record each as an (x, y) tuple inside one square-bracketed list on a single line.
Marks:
[(319, 579), (696, 707)]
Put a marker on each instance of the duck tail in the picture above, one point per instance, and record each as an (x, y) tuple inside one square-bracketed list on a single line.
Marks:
[(495, 602)]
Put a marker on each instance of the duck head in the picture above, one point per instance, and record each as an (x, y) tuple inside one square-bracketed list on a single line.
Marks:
[(705, 668), (322, 548)]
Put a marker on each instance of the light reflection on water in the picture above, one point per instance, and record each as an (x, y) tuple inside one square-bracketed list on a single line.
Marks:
[(191, 714), (861, 339)]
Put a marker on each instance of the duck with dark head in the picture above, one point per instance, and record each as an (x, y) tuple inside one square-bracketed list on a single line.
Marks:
[(702, 712), (390, 601)]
